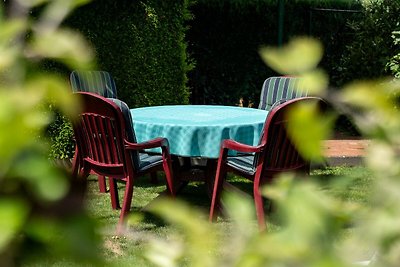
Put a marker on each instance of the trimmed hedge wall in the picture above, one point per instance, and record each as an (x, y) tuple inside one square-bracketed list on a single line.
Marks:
[(224, 41), (225, 37), (141, 43)]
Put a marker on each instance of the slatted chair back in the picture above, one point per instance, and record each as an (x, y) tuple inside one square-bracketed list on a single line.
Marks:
[(280, 153), (275, 89), (99, 82), (100, 135)]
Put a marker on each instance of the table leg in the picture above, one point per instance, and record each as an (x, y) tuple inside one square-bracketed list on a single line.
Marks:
[(211, 168), (179, 182), (185, 172)]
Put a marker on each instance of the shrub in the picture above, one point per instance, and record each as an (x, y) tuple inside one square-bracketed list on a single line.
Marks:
[(141, 43), (41, 207), (394, 63), (225, 37), (367, 55), (61, 136)]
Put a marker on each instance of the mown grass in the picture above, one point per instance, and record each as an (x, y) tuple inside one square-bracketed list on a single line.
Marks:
[(348, 183)]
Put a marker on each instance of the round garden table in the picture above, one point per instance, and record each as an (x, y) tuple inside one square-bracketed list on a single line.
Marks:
[(198, 130), (195, 133)]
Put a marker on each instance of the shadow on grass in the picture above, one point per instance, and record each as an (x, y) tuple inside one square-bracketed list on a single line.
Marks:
[(349, 183)]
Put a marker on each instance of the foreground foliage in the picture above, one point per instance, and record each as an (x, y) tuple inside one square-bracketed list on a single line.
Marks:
[(41, 212), (41, 215)]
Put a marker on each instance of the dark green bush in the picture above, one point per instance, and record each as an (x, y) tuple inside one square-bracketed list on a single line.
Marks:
[(141, 43), (372, 47), (394, 63), (224, 42), (62, 138), (225, 37)]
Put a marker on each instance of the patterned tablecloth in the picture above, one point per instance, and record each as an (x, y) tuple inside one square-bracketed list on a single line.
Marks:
[(197, 130)]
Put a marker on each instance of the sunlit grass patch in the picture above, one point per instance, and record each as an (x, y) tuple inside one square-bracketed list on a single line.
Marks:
[(352, 184), (348, 183)]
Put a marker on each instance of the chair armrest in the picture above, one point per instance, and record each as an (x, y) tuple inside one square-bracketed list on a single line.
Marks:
[(281, 101), (153, 143), (234, 145)]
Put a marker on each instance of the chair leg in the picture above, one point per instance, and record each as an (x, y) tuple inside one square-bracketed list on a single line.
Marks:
[(77, 164), (258, 201), (167, 166), (84, 172), (220, 177), (114, 193), (209, 175), (126, 205), (102, 184)]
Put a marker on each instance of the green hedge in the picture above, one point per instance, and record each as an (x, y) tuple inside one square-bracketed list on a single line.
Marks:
[(141, 43), (225, 37), (372, 47)]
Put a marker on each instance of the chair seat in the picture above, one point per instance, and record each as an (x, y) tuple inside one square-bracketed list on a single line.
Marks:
[(242, 163), (148, 161)]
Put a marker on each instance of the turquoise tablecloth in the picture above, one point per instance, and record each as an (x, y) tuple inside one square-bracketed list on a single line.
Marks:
[(197, 130)]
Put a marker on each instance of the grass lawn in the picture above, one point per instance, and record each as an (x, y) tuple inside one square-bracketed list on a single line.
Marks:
[(128, 250)]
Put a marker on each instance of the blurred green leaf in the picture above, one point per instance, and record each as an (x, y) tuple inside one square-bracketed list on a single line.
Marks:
[(370, 94), (48, 182), (7, 58), (13, 214), (25, 172), (71, 237), (240, 209), (165, 253), (31, 3), (382, 150), (307, 127), (11, 29), (309, 217), (54, 13), (200, 237), (66, 46), (135, 218), (300, 55), (9, 47), (23, 122), (56, 91), (314, 82), (373, 105)]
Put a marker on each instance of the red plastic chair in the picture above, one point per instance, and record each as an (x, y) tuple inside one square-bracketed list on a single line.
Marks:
[(106, 147), (274, 154), (99, 82)]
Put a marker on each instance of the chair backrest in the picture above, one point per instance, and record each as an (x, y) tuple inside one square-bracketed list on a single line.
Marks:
[(99, 82), (100, 132), (275, 89), (280, 153)]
